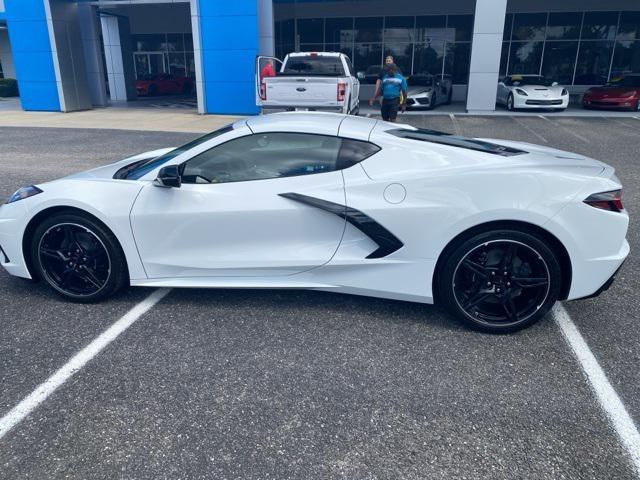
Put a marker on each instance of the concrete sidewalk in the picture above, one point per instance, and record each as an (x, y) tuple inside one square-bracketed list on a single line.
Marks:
[(164, 120)]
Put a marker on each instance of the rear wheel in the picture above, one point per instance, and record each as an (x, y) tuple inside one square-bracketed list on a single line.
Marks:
[(433, 102), (78, 257), (449, 97), (500, 281)]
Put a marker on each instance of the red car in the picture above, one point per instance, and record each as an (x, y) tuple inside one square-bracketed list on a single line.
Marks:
[(623, 93), (163, 84)]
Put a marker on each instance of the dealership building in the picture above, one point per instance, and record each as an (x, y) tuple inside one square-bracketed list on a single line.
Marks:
[(75, 55)]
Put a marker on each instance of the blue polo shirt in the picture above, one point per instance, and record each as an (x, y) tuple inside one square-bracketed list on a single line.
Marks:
[(393, 85)]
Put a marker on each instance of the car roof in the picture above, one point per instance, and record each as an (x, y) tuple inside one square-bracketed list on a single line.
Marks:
[(319, 54), (313, 122)]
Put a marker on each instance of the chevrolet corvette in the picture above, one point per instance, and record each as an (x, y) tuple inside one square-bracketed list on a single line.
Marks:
[(531, 92), (496, 231)]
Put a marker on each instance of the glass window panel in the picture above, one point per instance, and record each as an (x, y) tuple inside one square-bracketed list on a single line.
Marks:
[(148, 42), (283, 50), (401, 53), (626, 58), (188, 42), (564, 26), (457, 59), (594, 60), (311, 30), (338, 30), (461, 25), (600, 25), (629, 26), (504, 57), (368, 29), (559, 61), (398, 29), (278, 154), (177, 64), (429, 58), (525, 58), (311, 47), (285, 32), (508, 25), (175, 42), (429, 27), (367, 55), (191, 65), (529, 26), (337, 47)]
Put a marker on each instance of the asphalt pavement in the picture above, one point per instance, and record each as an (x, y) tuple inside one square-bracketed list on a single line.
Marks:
[(291, 384)]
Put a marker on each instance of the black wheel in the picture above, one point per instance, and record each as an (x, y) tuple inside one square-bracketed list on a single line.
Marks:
[(500, 281), (449, 97), (78, 257), (637, 106), (153, 90), (510, 106)]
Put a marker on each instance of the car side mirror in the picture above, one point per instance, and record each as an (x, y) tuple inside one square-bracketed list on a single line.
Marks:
[(169, 177), (554, 84)]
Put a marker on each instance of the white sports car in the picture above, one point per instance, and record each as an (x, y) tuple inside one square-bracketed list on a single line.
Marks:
[(496, 231), (531, 92)]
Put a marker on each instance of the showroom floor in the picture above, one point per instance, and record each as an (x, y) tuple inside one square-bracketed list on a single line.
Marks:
[(293, 384)]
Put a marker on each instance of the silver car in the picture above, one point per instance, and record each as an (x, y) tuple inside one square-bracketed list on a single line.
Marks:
[(428, 91)]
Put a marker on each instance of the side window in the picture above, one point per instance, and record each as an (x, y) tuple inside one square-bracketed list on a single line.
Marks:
[(262, 156), (349, 67), (354, 151)]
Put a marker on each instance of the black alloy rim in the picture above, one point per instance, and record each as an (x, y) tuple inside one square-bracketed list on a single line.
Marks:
[(74, 260), (502, 282)]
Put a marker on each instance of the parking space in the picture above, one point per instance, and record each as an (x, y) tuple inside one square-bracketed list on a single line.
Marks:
[(272, 384)]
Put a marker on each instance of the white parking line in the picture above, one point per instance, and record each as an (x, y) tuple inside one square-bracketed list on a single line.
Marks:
[(568, 130), (79, 360), (527, 127), (607, 396)]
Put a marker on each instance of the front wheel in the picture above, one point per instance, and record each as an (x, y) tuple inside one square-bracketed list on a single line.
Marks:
[(500, 281), (78, 257), (510, 103)]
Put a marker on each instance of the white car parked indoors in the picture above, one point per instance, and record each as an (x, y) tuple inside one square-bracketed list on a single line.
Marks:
[(496, 231), (531, 92)]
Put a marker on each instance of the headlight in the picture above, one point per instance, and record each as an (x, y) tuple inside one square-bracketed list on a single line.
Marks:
[(565, 92), (24, 192), (519, 91)]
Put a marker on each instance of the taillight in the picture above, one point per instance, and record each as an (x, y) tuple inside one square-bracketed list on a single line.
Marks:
[(342, 91), (611, 201), (263, 91)]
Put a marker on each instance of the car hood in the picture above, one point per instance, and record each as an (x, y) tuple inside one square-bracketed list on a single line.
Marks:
[(108, 171), (612, 91), (417, 89), (547, 156), (540, 91)]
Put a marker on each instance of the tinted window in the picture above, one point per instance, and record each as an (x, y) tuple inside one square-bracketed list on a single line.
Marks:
[(442, 138), (368, 29), (274, 155), (313, 65), (517, 81), (600, 25), (139, 169), (626, 82), (564, 26)]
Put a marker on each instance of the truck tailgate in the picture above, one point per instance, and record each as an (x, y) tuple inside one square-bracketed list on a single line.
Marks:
[(301, 91)]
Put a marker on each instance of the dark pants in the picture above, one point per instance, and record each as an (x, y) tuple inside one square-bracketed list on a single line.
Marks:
[(389, 109)]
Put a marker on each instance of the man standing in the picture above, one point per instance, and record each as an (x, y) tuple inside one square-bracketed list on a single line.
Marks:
[(393, 88)]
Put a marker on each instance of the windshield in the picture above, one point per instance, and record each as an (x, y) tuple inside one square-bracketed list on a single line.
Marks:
[(434, 136), (314, 65), (420, 81), (626, 82), (139, 169), (517, 80)]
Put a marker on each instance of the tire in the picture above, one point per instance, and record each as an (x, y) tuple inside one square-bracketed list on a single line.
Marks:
[(153, 90), (78, 257), (510, 104), (473, 287), (637, 106), (449, 97)]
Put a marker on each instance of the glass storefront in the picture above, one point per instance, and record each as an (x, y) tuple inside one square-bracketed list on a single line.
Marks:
[(433, 44), (163, 53), (572, 48)]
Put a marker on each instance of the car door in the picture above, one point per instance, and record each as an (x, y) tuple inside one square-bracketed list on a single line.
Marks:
[(355, 84), (230, 218), (261, 62)]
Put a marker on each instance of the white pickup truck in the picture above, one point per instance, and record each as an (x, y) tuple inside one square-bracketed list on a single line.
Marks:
[(308, 81)]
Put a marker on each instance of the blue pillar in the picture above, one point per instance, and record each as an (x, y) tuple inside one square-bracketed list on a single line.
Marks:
[(32, 54), (229, 44)]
